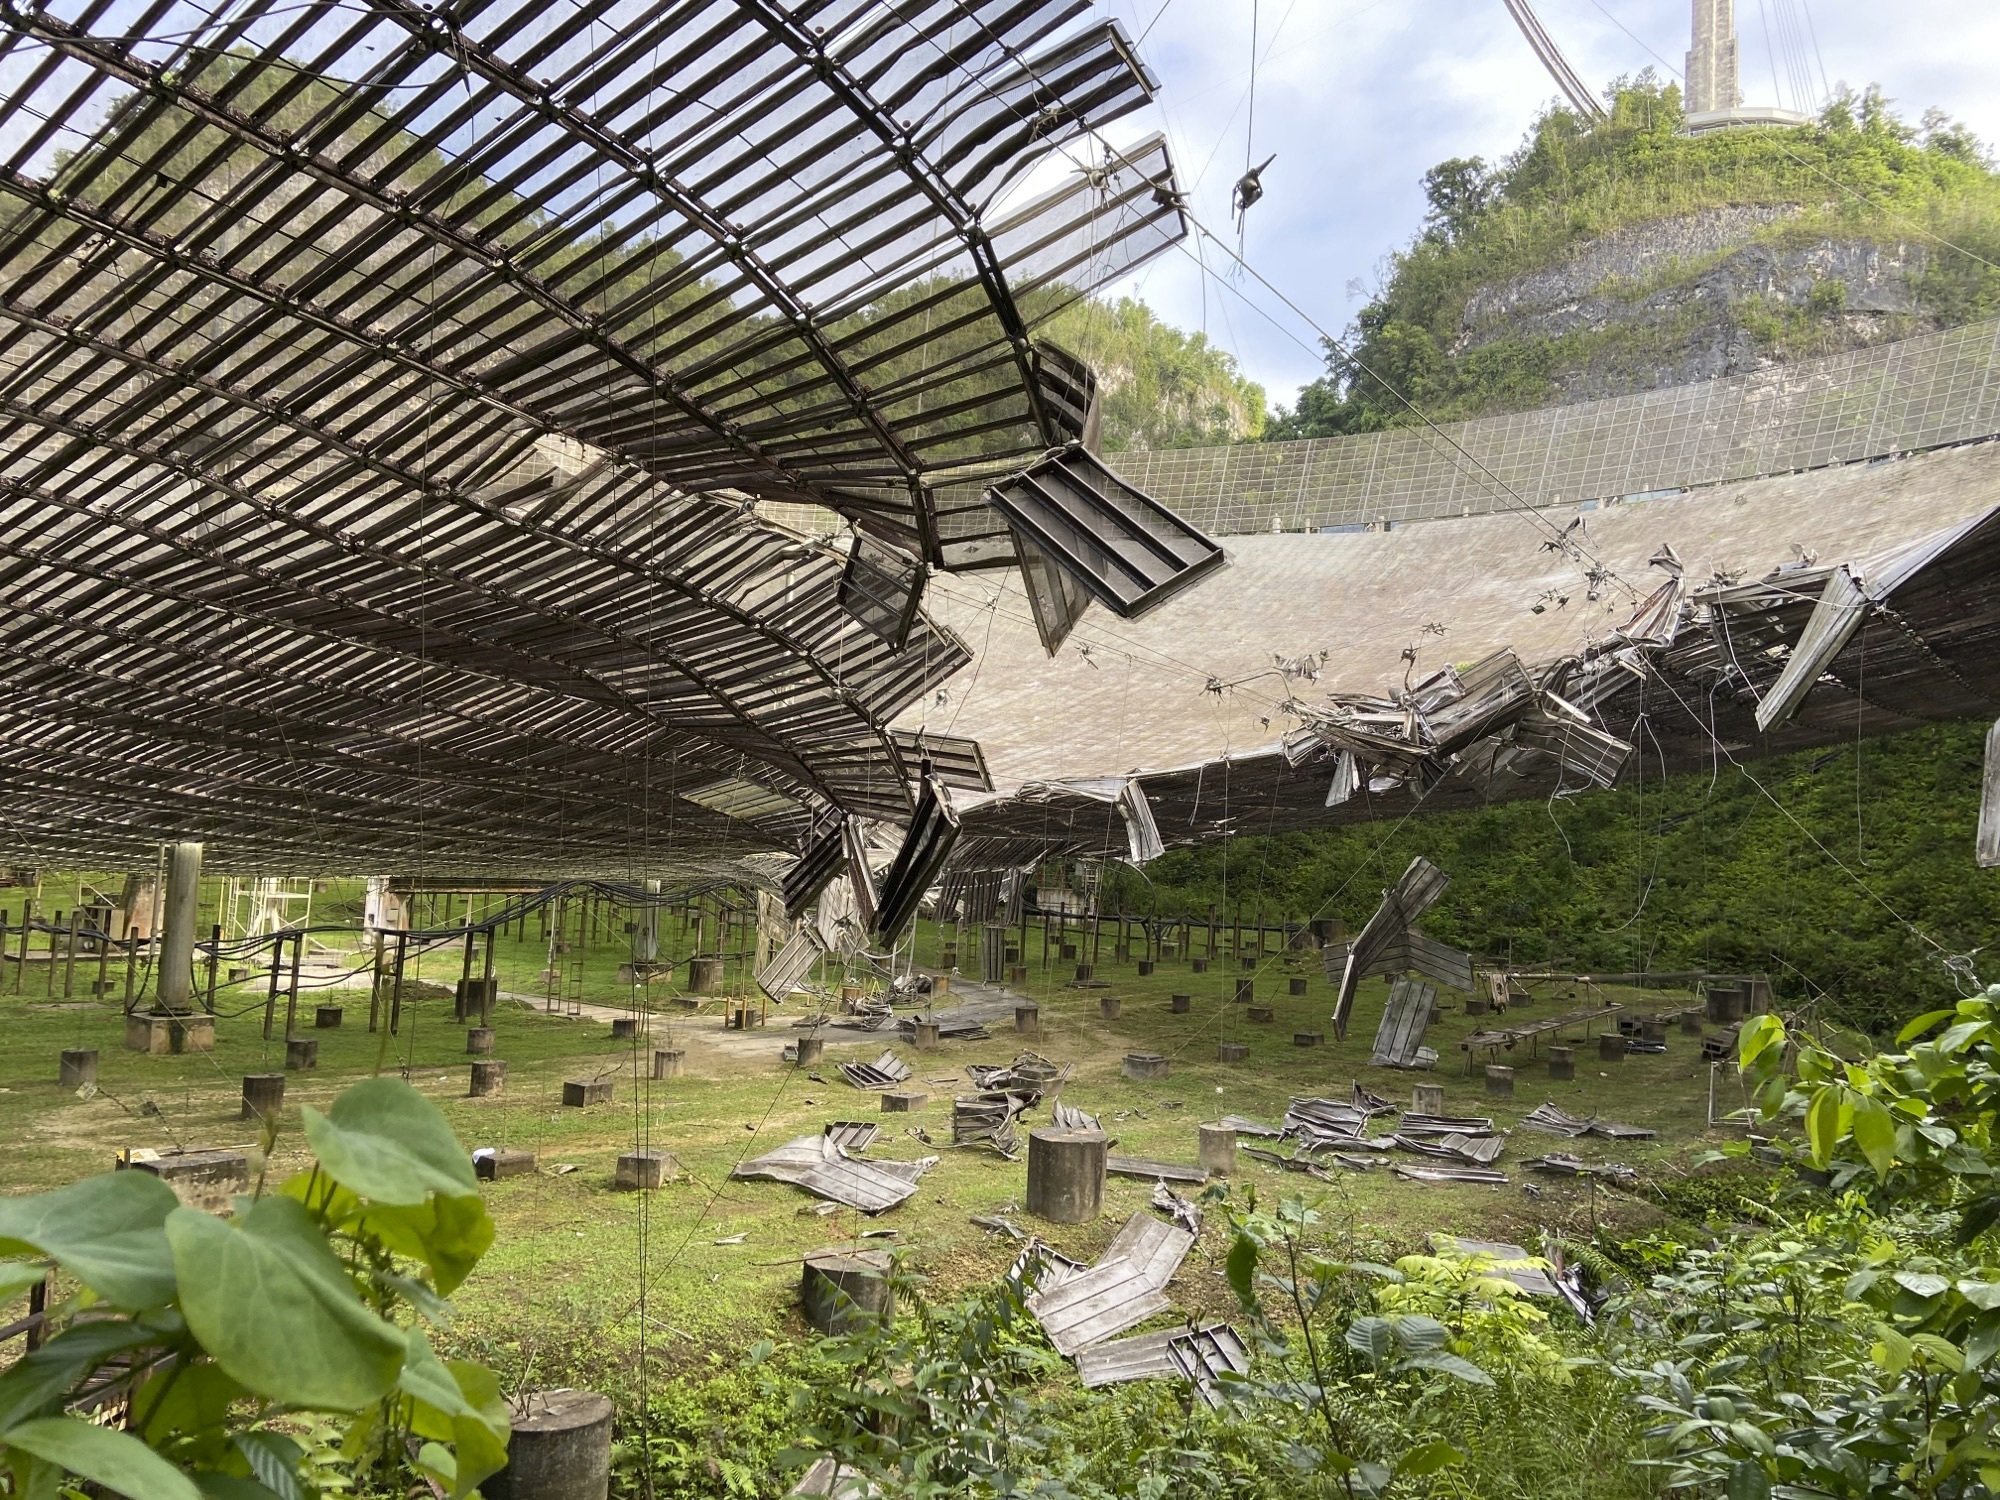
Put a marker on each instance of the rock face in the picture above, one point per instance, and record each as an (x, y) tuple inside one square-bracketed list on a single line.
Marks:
[(1698, 297)]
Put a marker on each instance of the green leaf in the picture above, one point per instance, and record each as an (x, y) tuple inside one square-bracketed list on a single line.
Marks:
[(1758, 1036), (459, 1403), (1373, 1337), (115, 1460), (1823, 1125), (269, 1300), (1447, 1364), (1980, 1215), (1922, 1283), (230, 1487), (274, 1459), (105, 1231), (390, 1144), (1958, 1038), (1242, 1269), (1920, 1024), (1428, 1458), (1748, 1481), (19, 1277), (447, 1234), (1875, 1133), (36, 1383)]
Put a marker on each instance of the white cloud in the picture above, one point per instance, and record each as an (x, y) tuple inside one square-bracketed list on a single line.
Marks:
[(1359, 97)]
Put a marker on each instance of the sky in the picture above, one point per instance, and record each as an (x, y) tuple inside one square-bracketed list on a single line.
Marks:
[(1358, 97)]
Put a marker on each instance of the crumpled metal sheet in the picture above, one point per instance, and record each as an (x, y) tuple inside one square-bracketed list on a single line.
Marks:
[(780, 978), (1243, 1125), (1419, 889), (852, 1136), (1152, 1171), (1447, 1174), (817, 1164), (1550, 1120), (1478, 1150), (886, 1071), (1201, 1356), (1126, 1286), (1208, 1357), (1069, 1117), (1029, 1076), (987, 1119)]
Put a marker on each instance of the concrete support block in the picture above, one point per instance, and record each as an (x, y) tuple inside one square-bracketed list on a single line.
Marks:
[(926, 1036), (1499, 1081), (1427, 1099), (146, 1031), (903, 1101), (1232, 1052), (1198, 966), (940, 984), (639, 1170), (327, 1017), (1218, 1150), (489, 1077), (1263, 1015), (1180, 1005), (1017, 973), (1066, 1174), (580, 1093), (624, 1028), (1145, 967), (667, 1062), (1296, 985), (1028, 1020), (1652, 1029), (1477, 1005), (1611, 1047), (1562, 1063), (1246, 991), (77, 1067), (1692, 1023), (1144, 1067), (1084, 971), (1308, 1038), (200, 1179), (811, 1049), (495, 1165), (191, 1032), (1108, 1007), (478, 1041), (263, 1096), (301, 1054), (1725, 1004), (844, 1289), (704, 976), (560, 1449)]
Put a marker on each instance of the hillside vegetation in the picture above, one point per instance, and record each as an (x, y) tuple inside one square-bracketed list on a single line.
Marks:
[(1607, 257)]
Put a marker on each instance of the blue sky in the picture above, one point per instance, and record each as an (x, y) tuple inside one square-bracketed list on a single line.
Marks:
[(1358, 97)]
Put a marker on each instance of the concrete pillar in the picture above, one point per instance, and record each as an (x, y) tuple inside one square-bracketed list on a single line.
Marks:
[(841, 1289), (1611, 1047), (810, 1050), (1263, 1015), (1427, 1099), (326, 1017), (488, 1078), (1218, 1150), (1180, 1005), (263, 1095), (1296, 985), (301, 1053), (1725, 1004), (1562, 1063), (704, 976), (1108, 1007), (667, 1062), (646, 932), (1231, 1052), (174, 985), (560, 1449), (77, 1067), (1499, 1081), (640, 1170), (1142, 1066), (927, 1036), (903, 1101), (478, 1041), (1028, 1020), (624, 1028), (1066, 1174), (1691, 1023), (1246, 991)]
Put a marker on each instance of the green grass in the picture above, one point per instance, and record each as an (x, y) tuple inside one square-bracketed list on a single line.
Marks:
[(558, 1296)]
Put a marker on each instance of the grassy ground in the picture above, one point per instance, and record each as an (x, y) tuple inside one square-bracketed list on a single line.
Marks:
[(562, 1287)]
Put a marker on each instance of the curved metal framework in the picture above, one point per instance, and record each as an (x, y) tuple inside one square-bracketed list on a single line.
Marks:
[(385, 390)]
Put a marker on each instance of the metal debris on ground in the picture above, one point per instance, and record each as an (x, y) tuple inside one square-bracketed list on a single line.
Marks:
[(1126, 1286), (833, 1480), (1478, 1150), (886, 1071), (1553, 1121), (1244, 1126), (1510, 1262), (1207, 1356), (1308, 1163), (950, 1026), (1446, 1174), (1152, 1171), (1371, 1104), (1413, 1124), (1390, 943), (1175, 1207), (1405, 1018), (852, 1136), (1562, 1164), (1069, 1117), (817, 1164), (1030, 1075), (987, 1120), (1042, 1267), (999, 1224), (1198, 1355), (1324, 1120)]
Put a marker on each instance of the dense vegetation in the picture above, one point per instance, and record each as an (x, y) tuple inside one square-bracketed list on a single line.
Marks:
[(1857, 174), (1160, 387), (1689, 872)]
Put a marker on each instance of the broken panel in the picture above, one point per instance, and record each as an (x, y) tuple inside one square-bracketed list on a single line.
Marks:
[(933, 830), (956, 761), (1099, 534), (880, 589), (1399, 1039), (1987, 843), (790, 964), (817, 864)]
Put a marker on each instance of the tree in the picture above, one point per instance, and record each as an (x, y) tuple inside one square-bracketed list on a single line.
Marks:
[(1458, 192)]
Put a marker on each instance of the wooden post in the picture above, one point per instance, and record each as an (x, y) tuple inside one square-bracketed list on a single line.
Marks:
[(69, 953), (292, 991), (488, 987), (271, 994), (214, 965), (103, 948), (396, 984), (375, 985), (131, 971), (54, 928), (21, 966)]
